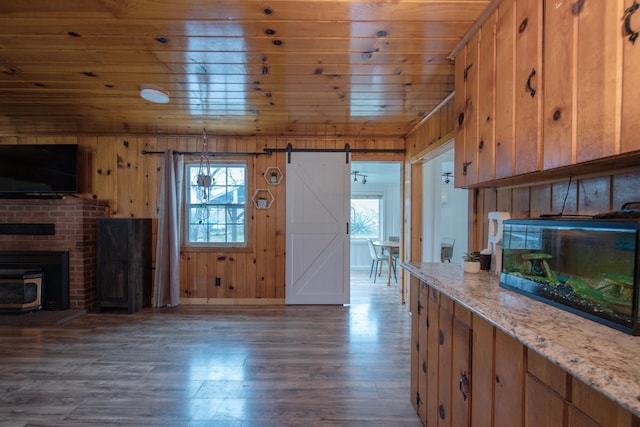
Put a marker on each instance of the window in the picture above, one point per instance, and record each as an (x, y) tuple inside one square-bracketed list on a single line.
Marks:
[(366, 212), (216, 215)]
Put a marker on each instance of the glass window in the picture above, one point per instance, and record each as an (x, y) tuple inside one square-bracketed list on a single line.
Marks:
[(366, 218), (216, 214)]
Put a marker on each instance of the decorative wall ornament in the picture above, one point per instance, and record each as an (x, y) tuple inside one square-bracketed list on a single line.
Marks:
[(204, 178)]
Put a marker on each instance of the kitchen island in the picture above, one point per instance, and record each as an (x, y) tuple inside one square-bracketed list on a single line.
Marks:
[(484, 355)]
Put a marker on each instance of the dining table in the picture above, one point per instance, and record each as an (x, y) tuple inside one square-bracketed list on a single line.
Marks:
[(389, 247)]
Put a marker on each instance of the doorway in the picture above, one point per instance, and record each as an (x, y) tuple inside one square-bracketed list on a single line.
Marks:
[(445, 208), (376, 212)]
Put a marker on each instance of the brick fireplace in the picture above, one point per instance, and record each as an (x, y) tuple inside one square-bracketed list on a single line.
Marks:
[(57, 225)]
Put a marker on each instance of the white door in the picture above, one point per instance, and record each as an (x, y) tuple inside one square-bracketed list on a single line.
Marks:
[(318, 207)]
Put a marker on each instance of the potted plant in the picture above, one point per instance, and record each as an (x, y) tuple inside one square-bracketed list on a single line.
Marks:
[(274, 177), (470, 262)]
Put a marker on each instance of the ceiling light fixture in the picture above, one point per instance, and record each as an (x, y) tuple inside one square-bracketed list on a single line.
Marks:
[(357, 174), (153, 94)]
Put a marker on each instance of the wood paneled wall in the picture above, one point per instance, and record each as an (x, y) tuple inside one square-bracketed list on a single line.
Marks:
[(113, 168), (586, 195), (436, 130)]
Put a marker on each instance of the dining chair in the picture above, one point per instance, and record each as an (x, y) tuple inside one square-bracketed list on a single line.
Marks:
[(376, 259), (446, 248), (395, 255)]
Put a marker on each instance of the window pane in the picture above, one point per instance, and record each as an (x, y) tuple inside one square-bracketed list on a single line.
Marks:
[(365, 218), (216, 214)]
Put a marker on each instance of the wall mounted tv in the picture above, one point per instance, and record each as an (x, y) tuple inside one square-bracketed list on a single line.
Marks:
[(47, 170)]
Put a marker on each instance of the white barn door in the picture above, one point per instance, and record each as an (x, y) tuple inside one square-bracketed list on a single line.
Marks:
[(318, 195)]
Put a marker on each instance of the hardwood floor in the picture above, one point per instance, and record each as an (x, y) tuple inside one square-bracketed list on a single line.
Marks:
[(225, 366)]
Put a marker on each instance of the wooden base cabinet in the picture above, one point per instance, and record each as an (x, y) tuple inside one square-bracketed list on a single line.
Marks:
[(467, 372), (124, 263), (442, 375)]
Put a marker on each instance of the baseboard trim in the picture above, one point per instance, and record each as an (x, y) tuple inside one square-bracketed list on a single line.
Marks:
[(232, 301)]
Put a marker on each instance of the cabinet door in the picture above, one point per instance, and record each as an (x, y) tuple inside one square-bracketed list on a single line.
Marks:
[(445, 359), (460, 110), (578, 419), (113, 263), (454, 365), (559, 78), (461, 377), (470, 165), (528, 93), (600, 408), (505, 102), (509, 381), (631, 87), (543, 406), (483, 373), (598, 62), (423, 351), (415, 309), (486, 101), (432, 358)]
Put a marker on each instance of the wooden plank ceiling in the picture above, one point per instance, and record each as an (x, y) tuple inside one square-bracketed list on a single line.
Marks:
[(235, 67)]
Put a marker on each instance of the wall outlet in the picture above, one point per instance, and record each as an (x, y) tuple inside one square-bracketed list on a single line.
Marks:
[(218, 281)]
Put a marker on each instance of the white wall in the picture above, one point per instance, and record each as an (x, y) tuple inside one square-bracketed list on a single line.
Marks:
[(444, 208)]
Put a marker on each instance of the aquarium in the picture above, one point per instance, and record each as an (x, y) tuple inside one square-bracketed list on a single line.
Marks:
[(585, 266)]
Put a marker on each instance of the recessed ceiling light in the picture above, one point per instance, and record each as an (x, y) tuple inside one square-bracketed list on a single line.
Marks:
[(153, 94)]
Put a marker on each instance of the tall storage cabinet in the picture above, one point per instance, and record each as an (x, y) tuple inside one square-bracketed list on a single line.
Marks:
[(124, 263)]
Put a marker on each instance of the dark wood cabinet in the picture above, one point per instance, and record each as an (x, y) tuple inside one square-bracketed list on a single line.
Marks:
[(124, 263)]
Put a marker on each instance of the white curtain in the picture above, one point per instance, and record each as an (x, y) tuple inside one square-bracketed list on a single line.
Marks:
[(166, 287)]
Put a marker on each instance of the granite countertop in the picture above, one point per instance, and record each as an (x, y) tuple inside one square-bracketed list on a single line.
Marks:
[(602, 357)]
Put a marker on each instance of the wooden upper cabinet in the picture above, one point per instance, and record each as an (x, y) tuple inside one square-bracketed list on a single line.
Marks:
[(559, 78), (630, 85), (528, 87), (466, 110), (460, 111), (471, 74), (505, 89), (485, 145), (546, 84), (598, 62)]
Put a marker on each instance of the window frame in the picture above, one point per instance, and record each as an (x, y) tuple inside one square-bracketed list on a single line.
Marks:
[(194, 163), (372, 195)]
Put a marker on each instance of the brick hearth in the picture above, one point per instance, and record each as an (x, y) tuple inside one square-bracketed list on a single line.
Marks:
[(74, 223)]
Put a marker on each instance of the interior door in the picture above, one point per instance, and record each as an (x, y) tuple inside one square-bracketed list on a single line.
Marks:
[(318, 205)]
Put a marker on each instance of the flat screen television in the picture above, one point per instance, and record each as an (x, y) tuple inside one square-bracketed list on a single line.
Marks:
[(46, 170)]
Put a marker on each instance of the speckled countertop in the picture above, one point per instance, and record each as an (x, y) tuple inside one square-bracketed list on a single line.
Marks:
[(606, 359)]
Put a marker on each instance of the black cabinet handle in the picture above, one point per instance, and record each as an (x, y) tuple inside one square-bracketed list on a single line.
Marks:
[(420, 307), (464, 382), (466, 72), (465, 165), (531, 90), (633, 35)]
